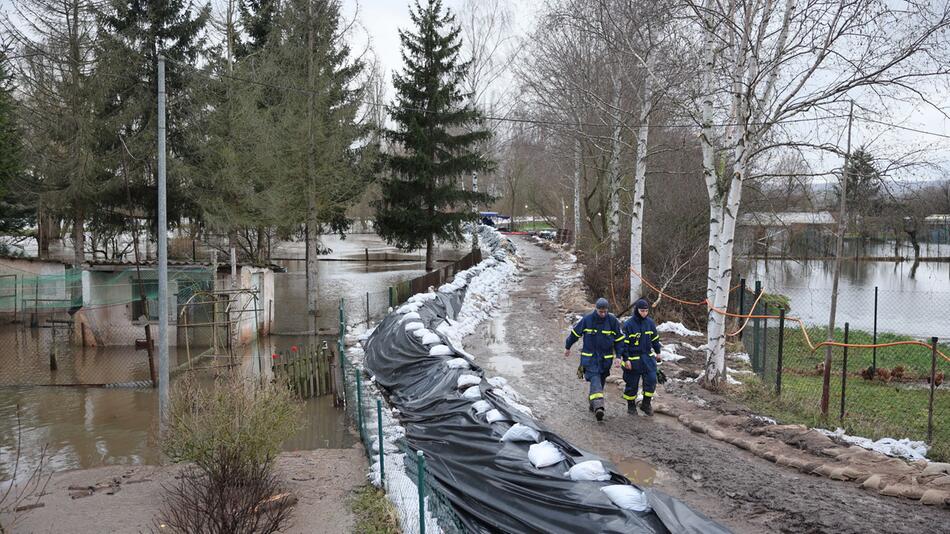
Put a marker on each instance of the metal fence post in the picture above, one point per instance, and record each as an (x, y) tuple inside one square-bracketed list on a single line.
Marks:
[(421, 483), (392, 297), (367, 309), (844, 371), (764, 352), (741, 303), (781, 347), (756, 363), (933, 378), (359, 401), (379, 439), (874, 339)]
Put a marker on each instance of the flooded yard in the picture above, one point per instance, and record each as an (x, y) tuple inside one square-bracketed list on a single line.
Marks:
[(59, 419)]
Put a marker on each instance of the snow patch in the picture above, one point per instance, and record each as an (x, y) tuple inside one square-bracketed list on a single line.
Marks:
[(668, 353), (677, 328), (898, 448), (739, 357)]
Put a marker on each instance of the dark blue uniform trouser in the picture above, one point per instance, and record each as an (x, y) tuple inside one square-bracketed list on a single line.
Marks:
[(632, 382), (597, 379)]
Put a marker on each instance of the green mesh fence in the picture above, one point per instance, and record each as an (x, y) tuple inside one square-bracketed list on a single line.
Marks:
[(872, 392), (397, 464)]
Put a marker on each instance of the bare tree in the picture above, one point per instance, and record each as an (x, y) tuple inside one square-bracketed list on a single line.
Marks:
[(765, 64)]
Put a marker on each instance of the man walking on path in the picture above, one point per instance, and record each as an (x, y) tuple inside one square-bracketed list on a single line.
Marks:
[(603, 339), (640, 336)]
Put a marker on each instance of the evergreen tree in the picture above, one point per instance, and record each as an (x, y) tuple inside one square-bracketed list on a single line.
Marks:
[(436, 138), (864, 188), (136, 32), (56, 78), (258, 18), (14, 216)]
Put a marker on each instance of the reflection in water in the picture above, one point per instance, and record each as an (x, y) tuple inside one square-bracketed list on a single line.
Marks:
[(638, 471), (913, 297), (87, 427)]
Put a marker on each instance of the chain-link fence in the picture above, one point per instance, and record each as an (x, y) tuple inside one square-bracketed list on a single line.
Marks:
[(396, 467), (880, 382)]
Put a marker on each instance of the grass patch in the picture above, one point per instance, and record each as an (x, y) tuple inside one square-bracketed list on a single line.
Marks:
[(374, 513), (873, 409)]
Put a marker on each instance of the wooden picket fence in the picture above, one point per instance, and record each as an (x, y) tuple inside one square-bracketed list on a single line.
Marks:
[(308, 371)]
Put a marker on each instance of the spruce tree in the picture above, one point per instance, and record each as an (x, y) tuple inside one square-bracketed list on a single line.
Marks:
[(435, 140), (134, 33), (13, 214)]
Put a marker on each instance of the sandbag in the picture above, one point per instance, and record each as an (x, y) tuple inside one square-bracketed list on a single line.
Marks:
[(440, 350), (457, 363), (481, 406), (465, 381), (415, 325), (544, 454), (627, 497), (519, 432), (589, 470), (472, 393), (494, 416)]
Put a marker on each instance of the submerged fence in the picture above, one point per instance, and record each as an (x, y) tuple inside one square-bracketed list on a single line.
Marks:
[(881, 383)]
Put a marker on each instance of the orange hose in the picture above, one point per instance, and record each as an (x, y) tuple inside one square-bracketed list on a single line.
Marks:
[(801, 324)]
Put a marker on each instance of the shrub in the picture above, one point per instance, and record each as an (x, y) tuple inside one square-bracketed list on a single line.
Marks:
[(229, 432)]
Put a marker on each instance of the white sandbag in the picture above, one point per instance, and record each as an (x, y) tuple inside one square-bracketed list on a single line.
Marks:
[(519, 432), (431, 339), (457, 363), (627, 497), (465, 381), (415, 325), (408, 308), (494, 416), (544, 454), (472, 393), (421, 333), (440, 350), (589, 470), (481, 406), (411, 316)]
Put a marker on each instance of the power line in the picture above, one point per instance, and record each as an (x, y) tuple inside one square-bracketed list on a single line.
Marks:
[(515, 120)]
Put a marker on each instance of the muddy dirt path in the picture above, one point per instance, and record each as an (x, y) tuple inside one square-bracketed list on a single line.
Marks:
[(525, 344)]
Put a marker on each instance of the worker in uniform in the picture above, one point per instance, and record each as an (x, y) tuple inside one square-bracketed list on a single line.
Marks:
[(603, 339), (640, 338)]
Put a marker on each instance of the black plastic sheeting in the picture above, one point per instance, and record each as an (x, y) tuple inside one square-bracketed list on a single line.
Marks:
[(491, 484)]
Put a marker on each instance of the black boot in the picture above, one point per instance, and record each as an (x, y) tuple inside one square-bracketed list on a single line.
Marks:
[(598, 406), (632, 407), (645, 406)]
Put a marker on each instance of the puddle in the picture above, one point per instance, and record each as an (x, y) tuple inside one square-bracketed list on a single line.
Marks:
[(503, 361), (638, 471), (507, 365)]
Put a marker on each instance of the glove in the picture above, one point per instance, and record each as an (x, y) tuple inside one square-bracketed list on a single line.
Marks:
[(660, 377), (580, 372)]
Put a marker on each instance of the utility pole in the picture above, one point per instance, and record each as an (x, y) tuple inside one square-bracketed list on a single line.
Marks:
[(839, 247), (162, 254)]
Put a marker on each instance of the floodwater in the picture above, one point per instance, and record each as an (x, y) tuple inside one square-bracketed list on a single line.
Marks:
[(78, 427), (912, 298), (638, 471)]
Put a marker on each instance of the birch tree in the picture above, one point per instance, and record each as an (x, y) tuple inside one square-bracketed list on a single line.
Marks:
[(765, 63)]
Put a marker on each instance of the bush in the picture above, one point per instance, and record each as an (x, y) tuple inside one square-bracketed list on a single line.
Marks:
[(230, 432)]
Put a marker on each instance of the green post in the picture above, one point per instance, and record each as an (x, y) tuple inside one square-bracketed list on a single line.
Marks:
[(342, 332), (359, 401), (392, 297), (421, 483), (756, 361), (379, 439)]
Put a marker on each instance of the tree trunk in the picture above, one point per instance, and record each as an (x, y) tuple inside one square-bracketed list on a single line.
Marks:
[(577, 190), (639, 191), (312, 247), (79, 237), (613, 170), (430, 264)]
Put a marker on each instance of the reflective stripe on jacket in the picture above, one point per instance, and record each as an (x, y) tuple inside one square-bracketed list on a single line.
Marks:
[(603, 337)]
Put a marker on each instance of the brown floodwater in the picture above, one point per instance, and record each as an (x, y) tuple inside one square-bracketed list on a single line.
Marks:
[(79, 427)]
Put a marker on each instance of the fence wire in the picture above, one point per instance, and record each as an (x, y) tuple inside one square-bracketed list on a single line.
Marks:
[(893, 391)]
